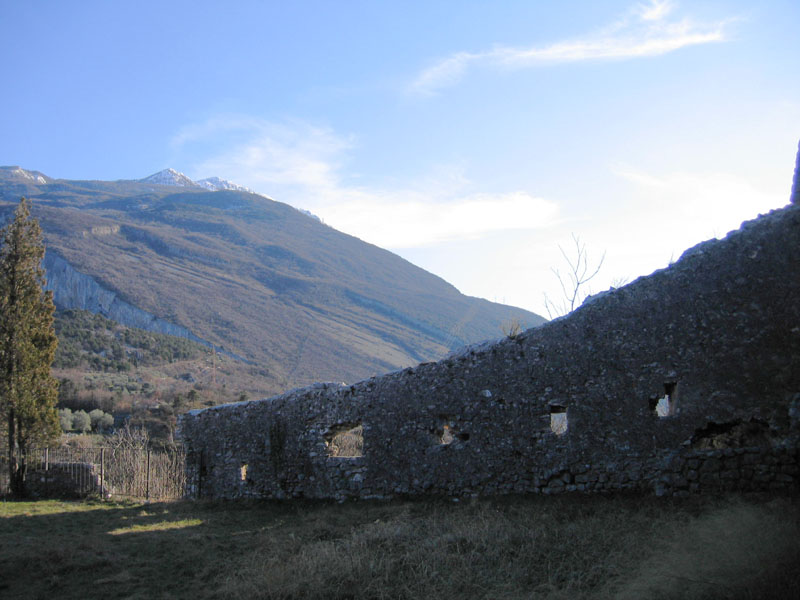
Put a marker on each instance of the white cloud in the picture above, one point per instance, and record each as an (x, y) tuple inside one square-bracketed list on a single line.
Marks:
[(408, 220), (265, 153), (301, 164), (645, 31), (655, 10)]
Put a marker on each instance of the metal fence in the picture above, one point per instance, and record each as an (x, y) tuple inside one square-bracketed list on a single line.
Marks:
[(140, 473)]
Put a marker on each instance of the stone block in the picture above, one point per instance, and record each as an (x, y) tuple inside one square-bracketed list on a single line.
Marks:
[(709, 478), (711, 464)]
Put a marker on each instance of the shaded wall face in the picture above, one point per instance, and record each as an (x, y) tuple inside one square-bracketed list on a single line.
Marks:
[(795, 197), (682, 381)]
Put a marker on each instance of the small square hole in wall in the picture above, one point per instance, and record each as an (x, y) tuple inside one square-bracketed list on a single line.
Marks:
[(662, 407), (665, 406), (345, 441), (446, 436), (558, 419)]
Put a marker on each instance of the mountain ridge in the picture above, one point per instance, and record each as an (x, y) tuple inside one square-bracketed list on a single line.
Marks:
[(171, 177), (255, 277)]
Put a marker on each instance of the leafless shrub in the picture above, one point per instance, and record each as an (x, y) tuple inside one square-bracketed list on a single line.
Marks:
[(573, 280), (512, 328), (134, 469)]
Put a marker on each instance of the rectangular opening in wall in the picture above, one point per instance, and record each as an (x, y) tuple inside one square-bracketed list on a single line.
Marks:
[(243, 472), (345, 441), (665, 406), (558, 419), (446, 435)]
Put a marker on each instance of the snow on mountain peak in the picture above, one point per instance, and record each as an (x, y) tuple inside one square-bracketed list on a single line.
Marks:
[(169, 177), (20, 173), (178, 179), (215, 184)]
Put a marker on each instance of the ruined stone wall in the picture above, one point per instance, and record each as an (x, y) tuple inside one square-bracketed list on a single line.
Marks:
[(684, 381), (795, 197)]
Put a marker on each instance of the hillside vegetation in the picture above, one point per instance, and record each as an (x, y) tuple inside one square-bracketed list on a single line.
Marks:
[(255, 277), (93, 342), (147, 377), (537, 547)]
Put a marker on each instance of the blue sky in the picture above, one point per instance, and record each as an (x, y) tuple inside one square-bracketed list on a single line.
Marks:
[(472, 138)]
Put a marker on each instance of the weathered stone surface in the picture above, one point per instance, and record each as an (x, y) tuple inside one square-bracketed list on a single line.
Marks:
[(65, 480), (718, 332), (795, 197)]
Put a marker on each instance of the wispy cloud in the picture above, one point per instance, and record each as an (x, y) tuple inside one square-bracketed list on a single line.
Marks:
[(302, 165), (406, 219), (655, 10), (265, 153), (647, 30)]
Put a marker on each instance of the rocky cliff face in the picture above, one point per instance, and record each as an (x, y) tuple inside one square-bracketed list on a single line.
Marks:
[(72, 289)]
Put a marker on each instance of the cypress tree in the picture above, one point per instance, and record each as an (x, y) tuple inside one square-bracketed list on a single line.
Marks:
[(28, 392)]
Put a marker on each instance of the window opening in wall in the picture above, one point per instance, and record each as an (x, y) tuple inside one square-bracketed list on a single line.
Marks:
[(446, 436), (558, 419), (665, 406), (243, 472), (345, 441)]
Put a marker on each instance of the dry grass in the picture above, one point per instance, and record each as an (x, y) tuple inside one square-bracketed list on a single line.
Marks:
[(740, 551), (540, 547), (346, 443)]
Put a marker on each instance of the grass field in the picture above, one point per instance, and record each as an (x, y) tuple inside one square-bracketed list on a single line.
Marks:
[(531, 547)]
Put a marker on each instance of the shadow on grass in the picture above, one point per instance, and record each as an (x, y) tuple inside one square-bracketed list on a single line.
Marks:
[(82, 550), (511, 547)]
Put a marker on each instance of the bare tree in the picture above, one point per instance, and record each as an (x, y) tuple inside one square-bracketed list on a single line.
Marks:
[(578, 272)]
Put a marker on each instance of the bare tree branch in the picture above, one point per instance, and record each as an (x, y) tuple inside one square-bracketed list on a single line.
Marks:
[(573, 282)]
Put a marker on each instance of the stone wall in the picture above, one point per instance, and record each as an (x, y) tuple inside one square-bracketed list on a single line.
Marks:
[(684, 381), (64, 480), (795, 197)]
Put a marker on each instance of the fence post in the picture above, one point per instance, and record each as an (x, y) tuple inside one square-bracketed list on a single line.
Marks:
[(103, 473), (147, 492)]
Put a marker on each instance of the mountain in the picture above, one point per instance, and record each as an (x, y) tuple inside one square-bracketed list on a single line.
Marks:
[(15, 176), (176, 179), (216, 184), (256, 279), (170, 177)]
